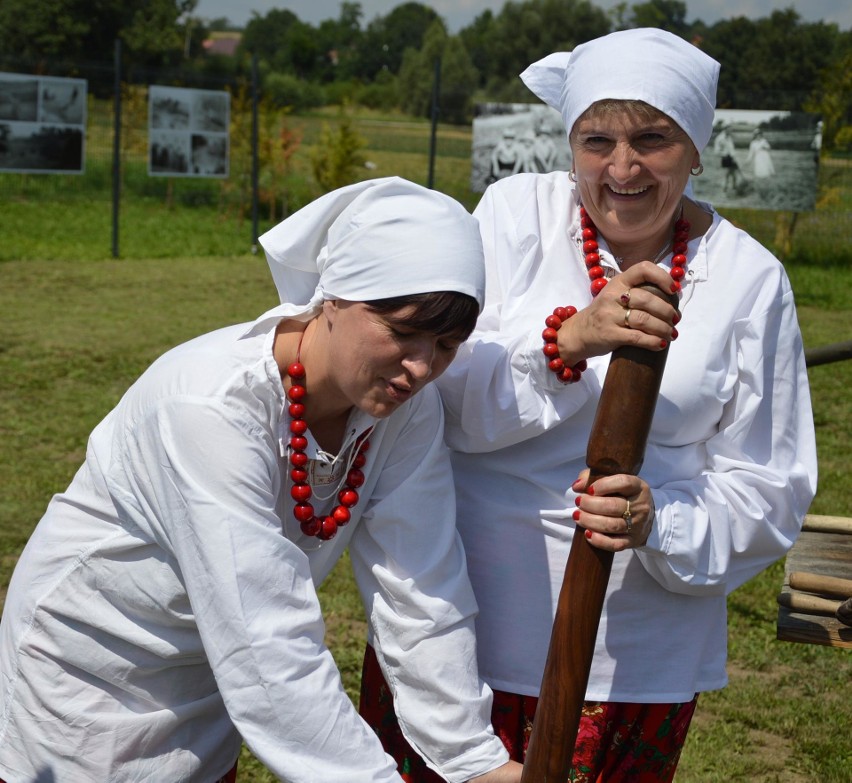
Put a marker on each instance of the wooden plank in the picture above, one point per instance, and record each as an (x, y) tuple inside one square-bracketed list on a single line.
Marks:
[(827, 554)]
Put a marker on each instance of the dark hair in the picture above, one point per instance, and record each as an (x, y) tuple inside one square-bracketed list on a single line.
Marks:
[(448, 313)]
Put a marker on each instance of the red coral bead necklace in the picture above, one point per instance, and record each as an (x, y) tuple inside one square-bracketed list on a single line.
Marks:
[(325, 527)]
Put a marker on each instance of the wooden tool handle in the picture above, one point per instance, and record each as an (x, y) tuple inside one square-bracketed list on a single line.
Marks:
[(818, 583), (616, 445), (823, 524), (808, 604)]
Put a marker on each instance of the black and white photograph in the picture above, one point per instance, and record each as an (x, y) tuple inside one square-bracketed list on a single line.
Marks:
[(188, 132), (509, 138), (761, 160), (169, 153), (42, 124)]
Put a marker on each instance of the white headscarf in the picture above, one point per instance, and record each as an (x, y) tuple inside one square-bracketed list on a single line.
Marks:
[(645, 64), (373, 240)]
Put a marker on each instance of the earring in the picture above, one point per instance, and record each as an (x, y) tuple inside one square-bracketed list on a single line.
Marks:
[(572, 176), (698, 171)]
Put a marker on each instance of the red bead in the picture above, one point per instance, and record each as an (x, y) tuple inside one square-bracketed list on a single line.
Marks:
[(311, 527), (581, 366), (679, 247), (328, 529), (589, 233), (566, 376), (682, 225), (296, 410), (355, 478), (301, 492), (561, 313), (341, 515), (549, 335), (296, 392), (570, 312), (598, 285), (556, 364), (298, 475), (677, 272), (298, 426), (679, 260), (590, 246), (550, 350), (675, 287), (593, 259), (304, 512), (359, 461), (596, 271), (298, 459), (575, 375), (296, 370), (553, 321), (298, 442), (347, 497), (363, 444)]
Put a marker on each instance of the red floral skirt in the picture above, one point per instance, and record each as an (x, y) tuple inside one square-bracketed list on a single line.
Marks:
[(616, 741)]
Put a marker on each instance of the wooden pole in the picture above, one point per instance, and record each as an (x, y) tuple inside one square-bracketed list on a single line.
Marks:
[(616, 445)]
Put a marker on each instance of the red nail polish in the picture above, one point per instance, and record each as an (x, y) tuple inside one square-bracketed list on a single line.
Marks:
[(588, 534), (577, 500), (674, 334), (663, 343), (576, 516), (676, 319), (591, 490)]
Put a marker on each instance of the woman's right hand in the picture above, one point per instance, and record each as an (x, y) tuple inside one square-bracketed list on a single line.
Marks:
[(621, 314)]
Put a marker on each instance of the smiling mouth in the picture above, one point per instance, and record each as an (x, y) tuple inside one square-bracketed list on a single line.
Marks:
[(628, 191)]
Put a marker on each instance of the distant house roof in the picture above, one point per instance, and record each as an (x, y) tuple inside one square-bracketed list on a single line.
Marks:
[(223, 43)]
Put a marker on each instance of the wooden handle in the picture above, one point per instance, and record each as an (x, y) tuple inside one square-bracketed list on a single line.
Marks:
[(818, 583), (822, 524), (808, 604), (616, 445)]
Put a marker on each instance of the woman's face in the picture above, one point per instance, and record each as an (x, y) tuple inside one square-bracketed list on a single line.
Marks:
[(376, 361), (631, 171)]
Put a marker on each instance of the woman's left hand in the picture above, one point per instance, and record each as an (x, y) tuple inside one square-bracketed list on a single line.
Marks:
[(616, 511)]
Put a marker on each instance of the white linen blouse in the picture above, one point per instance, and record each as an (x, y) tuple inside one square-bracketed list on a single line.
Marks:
[(731, 458), (165, 605)]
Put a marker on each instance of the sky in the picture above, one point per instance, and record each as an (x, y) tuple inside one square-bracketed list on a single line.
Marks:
[(460, 13)]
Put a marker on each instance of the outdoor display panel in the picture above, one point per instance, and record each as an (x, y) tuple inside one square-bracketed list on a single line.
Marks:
[(42, 124), (188, 132), (755, 159)]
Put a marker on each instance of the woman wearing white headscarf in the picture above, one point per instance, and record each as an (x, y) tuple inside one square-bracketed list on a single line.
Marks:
[(165, 610), (730, 467)]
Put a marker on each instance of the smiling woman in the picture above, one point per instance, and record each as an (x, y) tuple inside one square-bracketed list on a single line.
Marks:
[(730, 466), (165, 608)]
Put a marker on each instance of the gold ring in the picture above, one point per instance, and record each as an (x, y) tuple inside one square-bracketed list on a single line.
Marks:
[(627, 517), (627, 317)]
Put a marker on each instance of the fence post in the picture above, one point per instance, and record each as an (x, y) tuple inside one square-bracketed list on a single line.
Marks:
[(116, 147), (254, 157), (436, 95)]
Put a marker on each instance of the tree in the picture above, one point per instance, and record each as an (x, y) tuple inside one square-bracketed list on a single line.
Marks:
[(525, 32), (663, 14), (458, 76), (385, 40), (81, 30)]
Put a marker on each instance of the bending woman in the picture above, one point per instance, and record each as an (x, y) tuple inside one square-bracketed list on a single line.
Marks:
[(164, 609), (730, 467)]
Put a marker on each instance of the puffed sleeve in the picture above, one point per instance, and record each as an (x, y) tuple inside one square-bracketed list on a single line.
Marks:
[(499, 391), (204, 479), (715, 531), (410, 567)]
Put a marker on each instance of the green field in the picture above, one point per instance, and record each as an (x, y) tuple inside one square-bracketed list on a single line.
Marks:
[(76, 327)]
